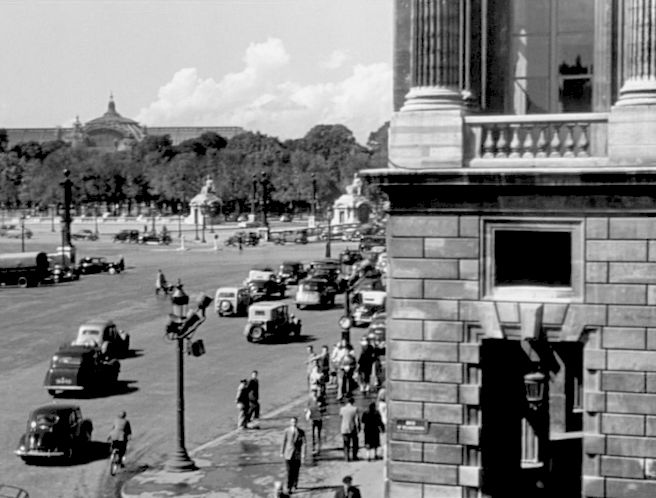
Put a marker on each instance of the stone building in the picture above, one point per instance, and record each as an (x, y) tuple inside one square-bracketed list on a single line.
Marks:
[(522, 249), (112, 131)]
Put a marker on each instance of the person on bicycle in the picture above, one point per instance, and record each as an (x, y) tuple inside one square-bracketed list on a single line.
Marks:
[(160, 283), (120, 434)]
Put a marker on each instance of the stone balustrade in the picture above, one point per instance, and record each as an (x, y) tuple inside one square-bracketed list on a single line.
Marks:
[(535, 137)]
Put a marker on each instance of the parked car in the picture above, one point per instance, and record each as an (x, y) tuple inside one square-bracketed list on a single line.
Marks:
[(264, 284), (54, 431), (249, 224), (93, 264), (270, 320), (315, 292), (80, 368), (155, 238), (15, 232), (242, 217), (286, 218), (104, 334), (84, 234), (232, 301), (369, 241), (127, 236), (291, 272), (368, 303), (301, 237)]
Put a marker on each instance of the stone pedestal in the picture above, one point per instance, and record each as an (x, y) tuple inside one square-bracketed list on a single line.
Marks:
[(632, 135), (426, 139)]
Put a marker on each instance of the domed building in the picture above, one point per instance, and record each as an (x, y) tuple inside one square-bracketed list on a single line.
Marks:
[(112, 131)]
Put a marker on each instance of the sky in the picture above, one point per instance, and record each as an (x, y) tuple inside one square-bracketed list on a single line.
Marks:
[(274, 66)]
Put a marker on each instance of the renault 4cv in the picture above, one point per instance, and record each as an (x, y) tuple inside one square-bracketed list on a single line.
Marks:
[(268, 319)]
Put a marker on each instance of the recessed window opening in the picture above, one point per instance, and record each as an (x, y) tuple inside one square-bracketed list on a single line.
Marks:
[(532, 258)]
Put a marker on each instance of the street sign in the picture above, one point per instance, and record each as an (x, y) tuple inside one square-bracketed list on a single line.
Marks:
[(411, 425)]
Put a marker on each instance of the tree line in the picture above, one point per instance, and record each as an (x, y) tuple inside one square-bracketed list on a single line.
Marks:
[(157, 173)]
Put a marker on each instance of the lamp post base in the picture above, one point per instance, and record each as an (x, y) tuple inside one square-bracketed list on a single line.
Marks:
[(180, 462)]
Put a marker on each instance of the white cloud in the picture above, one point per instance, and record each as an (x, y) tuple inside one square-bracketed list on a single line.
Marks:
[(259, 97), (335, 60)]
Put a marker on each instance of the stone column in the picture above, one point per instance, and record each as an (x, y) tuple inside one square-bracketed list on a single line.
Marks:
[(435, 55), (639, 45)]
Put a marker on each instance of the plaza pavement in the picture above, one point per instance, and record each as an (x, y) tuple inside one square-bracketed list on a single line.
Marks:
[(245, 464)]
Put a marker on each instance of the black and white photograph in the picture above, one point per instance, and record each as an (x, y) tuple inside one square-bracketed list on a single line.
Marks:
[(328, 248)]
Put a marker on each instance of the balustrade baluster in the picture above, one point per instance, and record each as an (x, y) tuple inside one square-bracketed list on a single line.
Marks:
[(542, 142), (502, 143), (583, 143), (555, 143), (569, 141), (528, 143), (488, 144), (514, 142)]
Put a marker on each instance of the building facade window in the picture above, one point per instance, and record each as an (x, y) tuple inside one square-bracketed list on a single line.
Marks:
[(552, 45), (533, 260)]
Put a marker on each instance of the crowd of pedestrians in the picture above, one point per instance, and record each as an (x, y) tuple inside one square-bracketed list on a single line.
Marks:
[(347, 372)]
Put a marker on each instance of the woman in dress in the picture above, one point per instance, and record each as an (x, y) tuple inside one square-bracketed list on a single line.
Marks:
[(373, 426)]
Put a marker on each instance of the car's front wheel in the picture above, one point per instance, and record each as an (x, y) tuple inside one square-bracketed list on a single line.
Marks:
[(255, 334)]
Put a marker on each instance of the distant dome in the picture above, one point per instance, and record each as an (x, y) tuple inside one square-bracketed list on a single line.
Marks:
[(111, 129)]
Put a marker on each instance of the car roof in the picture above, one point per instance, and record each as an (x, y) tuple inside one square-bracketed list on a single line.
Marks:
[(77, 350), (233, 288), (266, 305), (55, 408), (103, 322)]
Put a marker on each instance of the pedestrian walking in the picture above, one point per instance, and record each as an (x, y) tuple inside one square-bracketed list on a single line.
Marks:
[(382, 405), (309, 362), (372, 426), (216, 241), (293, 452), (242, 405), (239, 243), (348, 490), (160, 283), (253, 388), (350, 429), (314, 415), (316, 381), (324, 364), (365, 365), (347, 371)]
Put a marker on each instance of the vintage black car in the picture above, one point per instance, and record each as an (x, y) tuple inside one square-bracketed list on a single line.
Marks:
[(65, 273), (93, 265), (264, 284), (291, 272), (80, 368), (314, 291), (163, 238), (127, 236), (54, 431), (84, 234)]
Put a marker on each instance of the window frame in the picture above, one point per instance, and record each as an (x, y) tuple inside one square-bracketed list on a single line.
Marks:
[(533, 293)]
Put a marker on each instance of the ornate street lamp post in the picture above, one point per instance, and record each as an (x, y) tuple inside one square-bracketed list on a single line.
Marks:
[(329, 214), (254, 197), (265, 200), (313, 207), (204, 210), (95, 212), (179, 221), (179, 461), (22, 224), (153, 211), (66, 220), (52, 217)]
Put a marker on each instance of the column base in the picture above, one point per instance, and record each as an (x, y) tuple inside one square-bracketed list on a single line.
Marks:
[(632, 133), (180, 462), (638, 92), (432, 99)]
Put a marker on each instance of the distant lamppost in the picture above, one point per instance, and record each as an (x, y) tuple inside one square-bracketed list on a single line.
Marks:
[(95, 212), (195, 208), (179, 221), (22, 224), (66, 219), (153, 211), (265, 200), (52, 217), (313, 207), (329, 214), (254, 197), (204, 209)]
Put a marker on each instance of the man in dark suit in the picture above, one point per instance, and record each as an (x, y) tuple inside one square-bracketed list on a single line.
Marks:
[(347, 490), (293, 451)]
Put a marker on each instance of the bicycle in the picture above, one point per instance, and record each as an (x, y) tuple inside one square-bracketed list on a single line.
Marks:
[(114, 461)]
